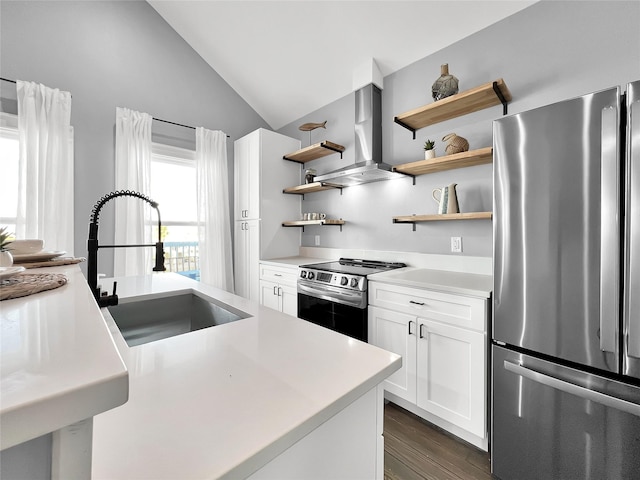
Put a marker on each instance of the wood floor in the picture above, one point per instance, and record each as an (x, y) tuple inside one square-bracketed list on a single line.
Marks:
[(415, 449)]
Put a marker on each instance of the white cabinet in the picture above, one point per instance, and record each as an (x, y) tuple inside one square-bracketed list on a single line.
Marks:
[(395, 332), (246, 258), (443, 343), (278, 288), (451, 374), (260, 175)]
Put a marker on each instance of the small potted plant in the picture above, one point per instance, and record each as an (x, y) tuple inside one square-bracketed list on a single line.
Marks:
[(6, 259), (429, 149)]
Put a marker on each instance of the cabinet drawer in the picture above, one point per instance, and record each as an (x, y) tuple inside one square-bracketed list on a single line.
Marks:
[(466, 312), (286, 275)]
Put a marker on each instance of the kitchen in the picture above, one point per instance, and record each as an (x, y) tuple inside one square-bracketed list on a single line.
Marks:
[(539, 56)]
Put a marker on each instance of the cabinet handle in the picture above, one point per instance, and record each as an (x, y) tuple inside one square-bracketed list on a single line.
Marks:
[(279, 291), (417, 303), (277, 275), (421, 325), (274, 290), (410, 322)]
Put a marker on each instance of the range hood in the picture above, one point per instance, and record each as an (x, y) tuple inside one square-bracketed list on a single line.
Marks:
[(369, 166)]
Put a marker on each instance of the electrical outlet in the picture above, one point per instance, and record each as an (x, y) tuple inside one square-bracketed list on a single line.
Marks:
[(317, 240), (456, 244)]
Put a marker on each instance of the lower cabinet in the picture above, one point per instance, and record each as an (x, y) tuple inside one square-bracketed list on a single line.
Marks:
[(278, 288), (443, 343), (283, 298)]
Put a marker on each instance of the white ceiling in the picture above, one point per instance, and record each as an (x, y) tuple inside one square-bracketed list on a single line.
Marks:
[(289, 58)]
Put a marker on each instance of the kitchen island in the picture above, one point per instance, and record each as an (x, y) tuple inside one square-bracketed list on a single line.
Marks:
[(268, 396)]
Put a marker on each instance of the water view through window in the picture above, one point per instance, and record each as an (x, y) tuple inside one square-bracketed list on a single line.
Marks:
[(173, 186)]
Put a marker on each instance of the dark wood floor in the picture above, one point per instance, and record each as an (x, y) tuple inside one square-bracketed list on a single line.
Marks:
[(415, 449)]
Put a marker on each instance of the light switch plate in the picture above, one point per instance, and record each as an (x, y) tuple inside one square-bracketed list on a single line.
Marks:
[(456, 244)]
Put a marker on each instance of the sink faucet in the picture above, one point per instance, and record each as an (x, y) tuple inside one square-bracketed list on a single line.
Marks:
[(103, 298)]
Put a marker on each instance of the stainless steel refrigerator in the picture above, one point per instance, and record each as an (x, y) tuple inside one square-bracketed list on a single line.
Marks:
[(566, 310)]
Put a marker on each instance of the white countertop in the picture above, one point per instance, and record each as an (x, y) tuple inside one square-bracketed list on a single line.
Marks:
[(225, 400), (439, 280), (293, 261), (58, 360)]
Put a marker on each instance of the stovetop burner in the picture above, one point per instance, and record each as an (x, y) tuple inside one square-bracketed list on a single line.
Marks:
[(354, 266)]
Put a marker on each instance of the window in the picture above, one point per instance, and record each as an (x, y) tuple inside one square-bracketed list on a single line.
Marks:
[(173, 186), (9, 157)]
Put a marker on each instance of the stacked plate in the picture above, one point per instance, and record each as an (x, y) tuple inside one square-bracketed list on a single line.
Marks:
[(24, 251)]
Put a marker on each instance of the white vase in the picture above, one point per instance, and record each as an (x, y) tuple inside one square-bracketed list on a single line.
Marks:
[(6, 259), (429, 154)]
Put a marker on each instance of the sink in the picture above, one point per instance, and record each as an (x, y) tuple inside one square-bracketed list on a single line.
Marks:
[(147, 321)]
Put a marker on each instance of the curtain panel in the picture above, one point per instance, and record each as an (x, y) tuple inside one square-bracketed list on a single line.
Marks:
[(133, 217), (214, 230), (45, 172)]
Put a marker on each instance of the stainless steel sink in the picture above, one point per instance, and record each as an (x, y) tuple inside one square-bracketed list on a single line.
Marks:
[(147, 321)]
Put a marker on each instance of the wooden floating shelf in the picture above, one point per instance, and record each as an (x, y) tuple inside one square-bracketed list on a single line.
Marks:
[(448, 162), (309, 188), (439, 217), (479, 98), (306, 223), (312, 152)]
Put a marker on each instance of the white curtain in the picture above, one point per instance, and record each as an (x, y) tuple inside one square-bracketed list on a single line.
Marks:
[(45, 172), (133, 217), (214, 231)]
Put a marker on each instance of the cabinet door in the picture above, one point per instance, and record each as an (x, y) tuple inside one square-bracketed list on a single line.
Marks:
[(451, 374), (241, 260), (396, 332), (269, 295), (246, 169), (252, 232), (246, 255), (289, 300)]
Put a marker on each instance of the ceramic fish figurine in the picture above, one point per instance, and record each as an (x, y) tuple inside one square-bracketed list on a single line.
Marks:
[(307, 127)]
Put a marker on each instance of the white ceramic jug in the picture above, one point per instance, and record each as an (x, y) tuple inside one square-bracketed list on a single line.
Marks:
[(446, 198)]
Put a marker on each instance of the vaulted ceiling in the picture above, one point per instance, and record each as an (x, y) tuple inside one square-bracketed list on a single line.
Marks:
[(289, 58)]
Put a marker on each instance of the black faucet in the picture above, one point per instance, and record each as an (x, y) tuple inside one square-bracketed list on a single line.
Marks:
[(103, 298)]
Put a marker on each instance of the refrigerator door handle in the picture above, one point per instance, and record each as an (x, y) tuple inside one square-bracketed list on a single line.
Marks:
[(632, 310), (564, 386), (609, 229)]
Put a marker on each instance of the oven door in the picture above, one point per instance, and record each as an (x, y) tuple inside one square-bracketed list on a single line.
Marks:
[(342, 311)]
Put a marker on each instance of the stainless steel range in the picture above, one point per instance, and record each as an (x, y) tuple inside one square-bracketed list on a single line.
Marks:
[(334, 294)]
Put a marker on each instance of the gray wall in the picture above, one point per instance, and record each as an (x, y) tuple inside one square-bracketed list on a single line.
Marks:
[(546, 53), (115, 54)]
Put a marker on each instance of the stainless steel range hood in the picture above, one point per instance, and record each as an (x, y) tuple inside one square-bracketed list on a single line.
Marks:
[(369, 166)]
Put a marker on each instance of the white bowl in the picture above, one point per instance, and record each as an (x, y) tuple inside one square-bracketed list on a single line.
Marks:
[(26, 247)]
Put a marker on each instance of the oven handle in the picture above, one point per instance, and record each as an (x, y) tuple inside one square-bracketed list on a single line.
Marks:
[(348, 298)]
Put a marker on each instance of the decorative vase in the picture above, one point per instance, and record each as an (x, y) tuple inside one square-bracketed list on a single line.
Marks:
[(429, 154), (456, 144), (446, 85), (309, 175), (6, 259)]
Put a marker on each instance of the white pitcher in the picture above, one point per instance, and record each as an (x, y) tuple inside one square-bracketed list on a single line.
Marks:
[(446, 198)]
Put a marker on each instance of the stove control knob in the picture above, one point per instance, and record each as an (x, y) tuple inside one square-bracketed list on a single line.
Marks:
[(344, 281), (303, 274), (354, 282), (310, 275)]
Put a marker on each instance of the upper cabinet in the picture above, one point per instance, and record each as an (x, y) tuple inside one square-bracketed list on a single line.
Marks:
[(479, 98)]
